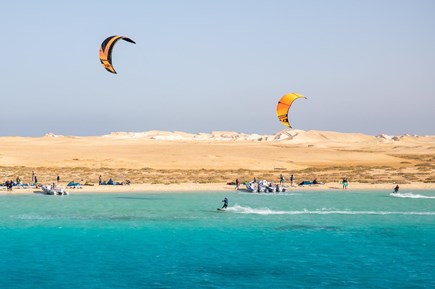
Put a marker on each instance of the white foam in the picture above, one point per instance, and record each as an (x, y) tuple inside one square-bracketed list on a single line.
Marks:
[(411, 196), (266, 211)]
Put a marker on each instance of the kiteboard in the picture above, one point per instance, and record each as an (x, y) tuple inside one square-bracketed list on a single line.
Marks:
[(221, 209)]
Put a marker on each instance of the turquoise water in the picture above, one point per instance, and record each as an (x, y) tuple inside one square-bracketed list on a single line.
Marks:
[(330, 239)]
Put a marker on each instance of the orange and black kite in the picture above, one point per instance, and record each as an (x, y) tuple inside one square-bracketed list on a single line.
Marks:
[(106, 51), (284, 105)]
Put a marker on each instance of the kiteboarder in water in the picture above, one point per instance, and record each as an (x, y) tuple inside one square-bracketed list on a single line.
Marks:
[(225, 201), (396, 189)]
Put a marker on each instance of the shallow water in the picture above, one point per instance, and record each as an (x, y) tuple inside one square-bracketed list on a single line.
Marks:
[(330, 239)]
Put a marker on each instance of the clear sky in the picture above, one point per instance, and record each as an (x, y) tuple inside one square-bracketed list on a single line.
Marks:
[(198, 66)]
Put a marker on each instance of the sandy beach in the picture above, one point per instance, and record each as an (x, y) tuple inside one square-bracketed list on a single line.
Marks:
[(178, 161), (218, 187)]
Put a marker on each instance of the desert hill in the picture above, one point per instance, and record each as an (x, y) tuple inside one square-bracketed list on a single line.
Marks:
[(219, 155)]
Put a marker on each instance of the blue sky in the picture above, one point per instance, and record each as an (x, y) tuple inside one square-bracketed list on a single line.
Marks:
[(198, 66)]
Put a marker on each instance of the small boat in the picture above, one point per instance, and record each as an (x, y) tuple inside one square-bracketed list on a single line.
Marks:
[(53, 190), (263, 187)]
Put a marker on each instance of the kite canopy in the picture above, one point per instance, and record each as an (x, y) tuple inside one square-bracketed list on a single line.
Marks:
[(106, 51), (284, 105)]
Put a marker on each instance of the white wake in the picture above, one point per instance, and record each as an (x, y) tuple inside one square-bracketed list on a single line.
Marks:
[(266, 211), (411, 196)]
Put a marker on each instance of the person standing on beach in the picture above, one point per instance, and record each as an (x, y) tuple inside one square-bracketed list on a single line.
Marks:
[(9, 185), (281, 180), (292, 179), (100, 180), (33, 177), (58, 178), (237, 184), (345, 183), (36, 179)]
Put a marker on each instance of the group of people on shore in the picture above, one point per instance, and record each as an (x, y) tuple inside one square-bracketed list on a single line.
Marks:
[(292, 182), (9, 184), (281, 181), (344, 182)]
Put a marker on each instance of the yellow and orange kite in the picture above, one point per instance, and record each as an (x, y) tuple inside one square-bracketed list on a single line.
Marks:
[(106, 51), (284, 105)]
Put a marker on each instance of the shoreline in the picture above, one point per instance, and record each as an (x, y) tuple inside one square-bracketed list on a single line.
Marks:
[(217, 187)]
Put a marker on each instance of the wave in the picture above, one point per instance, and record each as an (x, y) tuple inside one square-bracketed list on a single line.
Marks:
[(31, 217), (267, 211), (411, 196)]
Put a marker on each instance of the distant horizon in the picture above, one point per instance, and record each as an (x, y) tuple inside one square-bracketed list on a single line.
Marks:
[(210, 132)]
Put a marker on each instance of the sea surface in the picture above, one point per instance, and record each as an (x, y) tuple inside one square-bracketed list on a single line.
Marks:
[(322, 239)]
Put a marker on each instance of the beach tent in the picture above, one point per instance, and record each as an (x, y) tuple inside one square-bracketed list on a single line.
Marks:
[(305, 183), (72, 184)]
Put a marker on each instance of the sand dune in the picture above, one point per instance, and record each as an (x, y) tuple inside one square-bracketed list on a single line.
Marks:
[(155, 156), (292, 135), (288, 135)]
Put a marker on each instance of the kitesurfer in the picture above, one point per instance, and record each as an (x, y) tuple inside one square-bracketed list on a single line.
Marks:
[(225, 201), (396, 189)]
